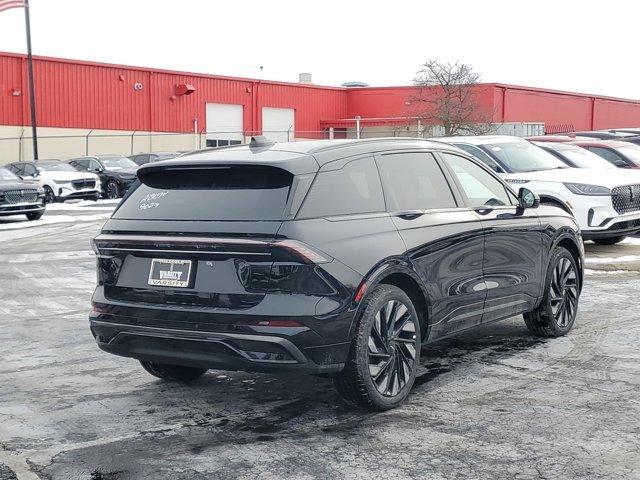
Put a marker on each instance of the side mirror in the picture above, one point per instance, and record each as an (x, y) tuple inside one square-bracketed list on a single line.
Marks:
[(98, 170), (528, 199)]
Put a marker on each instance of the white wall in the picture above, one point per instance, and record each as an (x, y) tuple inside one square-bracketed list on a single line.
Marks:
[(277, 122)]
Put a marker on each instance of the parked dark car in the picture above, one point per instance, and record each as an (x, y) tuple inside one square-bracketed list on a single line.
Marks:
[(116, 172), (143, 158), (18, 197), (337, 257), (619, 153), (574, 156)]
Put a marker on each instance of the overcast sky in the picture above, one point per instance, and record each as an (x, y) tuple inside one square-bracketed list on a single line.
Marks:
[(567, 45)]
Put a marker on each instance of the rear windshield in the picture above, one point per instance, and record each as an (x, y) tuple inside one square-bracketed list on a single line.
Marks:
[(216, 193)]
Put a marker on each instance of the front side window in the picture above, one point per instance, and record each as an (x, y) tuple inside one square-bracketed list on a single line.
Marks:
[(353, 189), (414, 181), (632, 152), (480, 187)]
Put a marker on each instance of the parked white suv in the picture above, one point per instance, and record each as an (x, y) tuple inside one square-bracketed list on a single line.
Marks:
[(605, 202), (59, 180)]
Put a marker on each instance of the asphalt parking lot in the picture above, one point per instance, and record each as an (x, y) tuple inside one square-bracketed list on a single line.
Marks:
[(495, 403)]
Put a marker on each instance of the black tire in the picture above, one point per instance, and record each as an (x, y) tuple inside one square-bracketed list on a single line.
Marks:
[(34, 215), (556, 314), (609, 240), (174, 373), (112, 190), (49, 196), (372, 354)]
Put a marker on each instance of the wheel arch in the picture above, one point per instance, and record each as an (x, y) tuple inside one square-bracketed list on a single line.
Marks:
[(400, 274), (568, 242), (551, 200)]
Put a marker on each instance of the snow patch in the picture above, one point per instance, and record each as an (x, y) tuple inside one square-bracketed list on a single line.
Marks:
[(16, 224), (624, 258), (588, 271)]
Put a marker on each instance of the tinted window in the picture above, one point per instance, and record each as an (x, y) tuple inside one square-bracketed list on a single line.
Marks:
[(355, 188), (480, 187), (94, 166), (482, 156), (6, 174), (222, 193), (414, 181), (580, 157), (80, 164), (610, 156)]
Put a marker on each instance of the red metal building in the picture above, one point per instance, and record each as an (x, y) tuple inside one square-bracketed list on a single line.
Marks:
[(77, 94)]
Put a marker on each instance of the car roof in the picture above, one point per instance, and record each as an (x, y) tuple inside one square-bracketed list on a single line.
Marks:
[(602, 143), (557, 146), (481, 139), (297, 157)]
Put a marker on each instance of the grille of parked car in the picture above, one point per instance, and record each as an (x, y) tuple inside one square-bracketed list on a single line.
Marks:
[(21, 196), (626, 199), (84, 183)]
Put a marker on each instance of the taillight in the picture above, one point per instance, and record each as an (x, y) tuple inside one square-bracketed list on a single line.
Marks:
[(303, 251)]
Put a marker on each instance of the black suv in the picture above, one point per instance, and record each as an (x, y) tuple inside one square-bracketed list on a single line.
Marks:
[(334, 256), (116, 172)]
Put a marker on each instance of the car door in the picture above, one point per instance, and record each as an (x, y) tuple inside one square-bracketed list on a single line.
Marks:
[(512, 262), (443, 238)]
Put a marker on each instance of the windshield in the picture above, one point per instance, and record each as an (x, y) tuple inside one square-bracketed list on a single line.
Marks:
[(118, 163), (584, 158), (632, 152), (523, 156), (6, 174), (55, 167)]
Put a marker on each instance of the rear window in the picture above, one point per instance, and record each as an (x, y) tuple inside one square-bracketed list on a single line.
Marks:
[(217, 193)]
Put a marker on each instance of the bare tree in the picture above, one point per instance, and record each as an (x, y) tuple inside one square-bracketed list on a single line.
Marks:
[(449, 94)]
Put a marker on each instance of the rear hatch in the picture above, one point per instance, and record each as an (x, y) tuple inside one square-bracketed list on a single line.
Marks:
[(195, 235)]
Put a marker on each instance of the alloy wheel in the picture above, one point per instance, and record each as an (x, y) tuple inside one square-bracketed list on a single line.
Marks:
[(392, 348), (564, 292), (48, 195), (112, 190)]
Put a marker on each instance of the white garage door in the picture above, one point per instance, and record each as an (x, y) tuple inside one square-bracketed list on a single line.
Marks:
[(224, 124), (278, 123)]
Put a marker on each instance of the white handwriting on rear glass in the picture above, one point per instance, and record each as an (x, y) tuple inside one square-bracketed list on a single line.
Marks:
[(149, 198)]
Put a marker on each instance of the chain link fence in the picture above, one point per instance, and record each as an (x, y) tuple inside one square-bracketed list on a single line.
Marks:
[(61, 144)]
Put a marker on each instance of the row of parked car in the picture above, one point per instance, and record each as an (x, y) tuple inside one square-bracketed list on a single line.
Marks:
[(596, 180), (26, 187)]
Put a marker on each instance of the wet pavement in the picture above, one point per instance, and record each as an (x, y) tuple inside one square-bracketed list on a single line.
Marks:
[(494, 403)]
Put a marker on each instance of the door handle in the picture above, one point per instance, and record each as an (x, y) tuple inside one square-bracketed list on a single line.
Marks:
[(483, 210), (408, 214)]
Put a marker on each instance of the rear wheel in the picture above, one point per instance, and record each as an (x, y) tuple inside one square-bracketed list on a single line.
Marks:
[(174, 373), (385, 352), (557, 312), (34, 215), (609, 240)]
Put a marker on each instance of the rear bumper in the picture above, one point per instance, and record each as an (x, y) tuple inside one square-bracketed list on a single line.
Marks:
[(251, 352)]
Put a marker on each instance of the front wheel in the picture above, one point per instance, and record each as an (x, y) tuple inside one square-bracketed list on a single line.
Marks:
[(49, 196), (609, 240), (175, 373), (112, 190), (557, 312), (385, 353)]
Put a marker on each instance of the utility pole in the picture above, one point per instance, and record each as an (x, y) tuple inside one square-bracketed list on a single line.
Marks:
[(32, 93)]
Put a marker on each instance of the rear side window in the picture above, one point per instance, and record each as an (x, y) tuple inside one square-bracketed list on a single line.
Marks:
[(353, 189), (217, 193), (414, 181)]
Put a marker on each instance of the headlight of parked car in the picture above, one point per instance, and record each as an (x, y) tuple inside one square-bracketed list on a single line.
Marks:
[(584, 189)]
